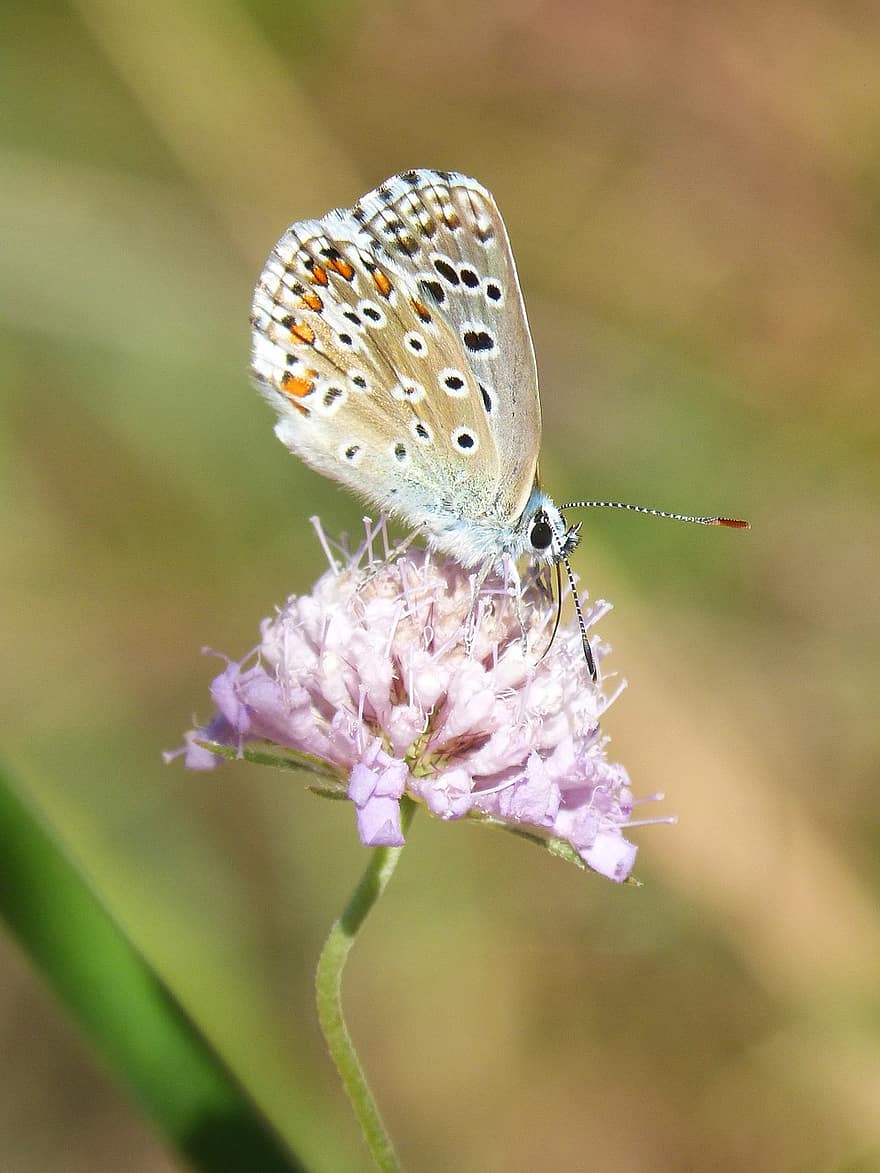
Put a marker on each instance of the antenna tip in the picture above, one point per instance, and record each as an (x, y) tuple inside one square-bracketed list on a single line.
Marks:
[(732, 523)]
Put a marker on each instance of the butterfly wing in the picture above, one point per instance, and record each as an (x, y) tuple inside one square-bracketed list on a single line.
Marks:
[(392, 340)]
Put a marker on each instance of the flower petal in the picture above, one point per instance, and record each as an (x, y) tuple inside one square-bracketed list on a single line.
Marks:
[(611, 855), (378, 823)]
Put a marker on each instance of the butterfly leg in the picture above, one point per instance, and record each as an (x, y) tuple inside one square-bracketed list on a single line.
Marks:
[(470, 623), (539, 574), (515, 580)]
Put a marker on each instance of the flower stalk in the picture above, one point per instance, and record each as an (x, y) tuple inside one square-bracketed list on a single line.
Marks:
[(328, 991)]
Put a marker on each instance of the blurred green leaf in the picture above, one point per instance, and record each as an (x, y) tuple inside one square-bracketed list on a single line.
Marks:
[(124, 1006)]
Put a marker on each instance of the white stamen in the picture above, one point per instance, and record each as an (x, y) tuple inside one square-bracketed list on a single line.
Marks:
[(671, 819), (325, 545), (612, 697), (478, 794), (367, 547)]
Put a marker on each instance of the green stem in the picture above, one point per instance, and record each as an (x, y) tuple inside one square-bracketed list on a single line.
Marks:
[(328, 985)]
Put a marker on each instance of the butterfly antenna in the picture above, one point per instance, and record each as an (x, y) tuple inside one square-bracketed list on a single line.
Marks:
[(730, 522), (558, 611), (588, 651)]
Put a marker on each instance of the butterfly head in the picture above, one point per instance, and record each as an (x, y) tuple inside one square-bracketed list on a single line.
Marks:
[(548, 537)]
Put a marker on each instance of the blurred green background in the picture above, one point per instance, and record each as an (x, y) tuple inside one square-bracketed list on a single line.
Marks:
[(693, 196)]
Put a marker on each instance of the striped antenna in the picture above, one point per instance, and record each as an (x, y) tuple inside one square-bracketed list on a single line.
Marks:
[(730, 522), (585, 641)]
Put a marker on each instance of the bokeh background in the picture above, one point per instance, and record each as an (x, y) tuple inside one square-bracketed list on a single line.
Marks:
[(693, 195)]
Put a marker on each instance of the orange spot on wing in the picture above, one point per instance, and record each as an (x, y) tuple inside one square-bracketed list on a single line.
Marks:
[(295, 386), (381, 282), (342, 267), (319, 276), (312, 302), (421, 309), (303, 332)]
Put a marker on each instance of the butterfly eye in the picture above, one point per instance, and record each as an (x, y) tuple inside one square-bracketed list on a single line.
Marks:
[(541, 535)]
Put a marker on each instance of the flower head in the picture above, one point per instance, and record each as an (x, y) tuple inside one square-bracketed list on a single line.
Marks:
[(369, 681)]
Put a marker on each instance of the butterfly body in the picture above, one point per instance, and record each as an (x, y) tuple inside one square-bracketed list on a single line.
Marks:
[(392, 340)]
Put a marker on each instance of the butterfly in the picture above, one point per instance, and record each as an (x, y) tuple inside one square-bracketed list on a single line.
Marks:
[(392, 340)]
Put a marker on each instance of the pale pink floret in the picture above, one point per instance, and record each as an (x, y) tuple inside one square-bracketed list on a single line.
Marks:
[(370, 675)]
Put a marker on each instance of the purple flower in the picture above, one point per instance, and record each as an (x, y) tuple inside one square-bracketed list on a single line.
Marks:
[(368, 682)]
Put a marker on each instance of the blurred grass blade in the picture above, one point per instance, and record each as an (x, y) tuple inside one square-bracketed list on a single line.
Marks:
[(123, 1005)]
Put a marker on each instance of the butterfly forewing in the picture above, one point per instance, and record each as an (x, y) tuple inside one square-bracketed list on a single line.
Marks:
[(392, 340), (450, 230)]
